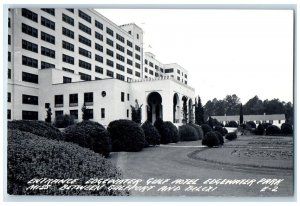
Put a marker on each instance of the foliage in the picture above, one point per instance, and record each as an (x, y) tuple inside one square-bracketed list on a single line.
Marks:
[(198, 130), (232, 124), (211, 139), (172, 131), (266, 125), (241, 114), (39, 128), (136, 112), (126, 135), (252, 124), (206, 128), (219, 129), (63, 121), (286, 129), (225, 131), (184, 111), (188, 133), (90, 135), (220, 137), (260, 130), (199, 112), (30, 156), (158, 124), (152, 136), (231, 136), (49, 115), (273, 130), (85, 114), (167, 131)]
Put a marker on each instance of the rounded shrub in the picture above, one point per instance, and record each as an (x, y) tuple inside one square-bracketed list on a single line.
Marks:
[(126, 135), (219, 129), (198, 130), (30, 156), (39, 128), (211, 139), (286, 129), (231, 136), (90, 135), (252, 124), (266, 125), (152, 136), (206, 128), (188, 133), (273, 130), (260, 130), (220, 137), (225, 131), (63, 121), (232, 124), (172, 131)]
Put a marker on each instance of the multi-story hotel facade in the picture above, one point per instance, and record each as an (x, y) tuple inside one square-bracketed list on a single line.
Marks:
[(64, 58)]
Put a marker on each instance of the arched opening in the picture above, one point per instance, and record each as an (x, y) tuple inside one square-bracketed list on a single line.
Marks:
[(176, 108), (190, 111), (154, 107), (184, 110)]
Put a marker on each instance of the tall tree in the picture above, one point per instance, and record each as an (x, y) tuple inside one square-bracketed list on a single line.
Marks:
[(232, 103), (241, 115), (184, 111), (85, 114), (199, 111), (49, 114), (253, 106)]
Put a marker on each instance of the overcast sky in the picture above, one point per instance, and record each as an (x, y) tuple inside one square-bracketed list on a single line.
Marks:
[(242, 52)]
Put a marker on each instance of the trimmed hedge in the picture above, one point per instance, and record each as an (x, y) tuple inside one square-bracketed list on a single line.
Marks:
[(198, 130), (260, 130), (90, 135), (273, 130), (266, 125), (39, 128), (152, 136), (252, 124), (172, 131), (220, 136), (188, 133), (225, 131), (63, 121), (286, 129), (211, 139), (231, 136), (232, 124), (206, 128), (126, 135), (30, 156), (220, 130)]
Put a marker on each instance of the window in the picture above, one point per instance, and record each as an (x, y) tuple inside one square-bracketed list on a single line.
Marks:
[(129, 71), (129, 32), (109, 73), (68, 70), (137, 48), (84, 16), (68, 19), (8, 97), (109, 63), (271, 121), (73, 100), (98, 47), (129, 79), (67, 80), (129, 62), (28, 77), (50, 11), (59, 100), (28, 99), (120, 77), (137, 36), (68, 33), (98, 36), (30, 115), (9, 74), (98, 58), (29, 30), (185, 82), (99, 69), (156, 67), (137, 56), (129, 52), (85, 53), (45, 65), (29, 46), (68, 59), (162, 70), (84, 28), (85, 77), (120, 38), (178, 78), (88, 98), (74, 114), (137, 74), (120, 67), (129, 43), (102, 113), (146, 61), (30, 15), (110, 52), (85, 40), (59, 113), (151, 72), (27, 61), (151, 64), (8, 114), (98, 25), (122, 96), (85, 65), (120, 57), (8, 22), (47, 37), (90, 113), (137, 65), (128, 97), (97, 78), (109, 31), (70, 10), (109, 42), (67, 45), (156, 74), (48, 23), (169, 70), (146, 69), (178, 71), (47, 52), (9, 40), (120, 48), (185, 76), (9, 56)]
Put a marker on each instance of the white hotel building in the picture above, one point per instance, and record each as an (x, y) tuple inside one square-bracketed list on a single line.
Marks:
[(67, 57)]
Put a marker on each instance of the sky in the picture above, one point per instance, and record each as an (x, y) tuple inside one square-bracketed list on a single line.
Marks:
[(242, 52)]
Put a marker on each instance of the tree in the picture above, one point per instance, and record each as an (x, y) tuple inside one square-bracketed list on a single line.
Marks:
[(254, 106), (184, 111), (241, 115), (199, 111), (85, 114), (49, 114), (273, 106), (289, 113), (231, 103), (136, 112)]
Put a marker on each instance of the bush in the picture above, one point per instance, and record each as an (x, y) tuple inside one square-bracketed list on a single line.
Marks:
[(211, 139), (126, 135), (260, 130), (220, 137), (30, 156), (232, 124), (90, 135), (266, 125), (225, 131), (286, 129), (172, 131), (252, 124), (39, 128), (231, 136), (206, 128), (273, 130), (158, 124), (188, 133), (152, 136), (198, 130), (220, 130), (63, 121)]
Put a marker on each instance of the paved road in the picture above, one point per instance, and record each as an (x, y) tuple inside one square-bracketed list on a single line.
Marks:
[(174, 161)]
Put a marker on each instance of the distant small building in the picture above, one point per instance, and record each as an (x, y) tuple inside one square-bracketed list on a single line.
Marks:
[(275, 119)]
